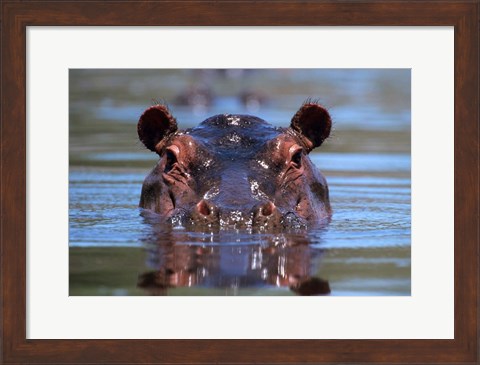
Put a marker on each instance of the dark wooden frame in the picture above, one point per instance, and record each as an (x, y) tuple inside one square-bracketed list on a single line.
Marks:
[(16, 16)]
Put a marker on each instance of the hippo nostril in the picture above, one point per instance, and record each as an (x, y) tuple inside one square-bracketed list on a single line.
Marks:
[(204, 212), (267, 209), (203, 208)]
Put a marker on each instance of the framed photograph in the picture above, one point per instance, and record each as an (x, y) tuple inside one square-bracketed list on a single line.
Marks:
[(240, 182), (234, 227)]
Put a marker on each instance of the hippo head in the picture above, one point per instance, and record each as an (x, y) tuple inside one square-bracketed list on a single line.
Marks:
[(236, 171)]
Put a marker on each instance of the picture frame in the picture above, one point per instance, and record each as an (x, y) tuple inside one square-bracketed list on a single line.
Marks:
[(17, 16)]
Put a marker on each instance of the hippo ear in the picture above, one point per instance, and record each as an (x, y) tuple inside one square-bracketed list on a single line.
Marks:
[(313, 123), (155, 124)]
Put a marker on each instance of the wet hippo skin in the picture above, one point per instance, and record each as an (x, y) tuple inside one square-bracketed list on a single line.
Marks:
[(236, 171)]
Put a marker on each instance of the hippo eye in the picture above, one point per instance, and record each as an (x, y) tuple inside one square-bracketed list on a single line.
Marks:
[(171, 160), (297, 158)]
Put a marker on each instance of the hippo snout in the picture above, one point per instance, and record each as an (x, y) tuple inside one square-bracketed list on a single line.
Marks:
[(265, 215)]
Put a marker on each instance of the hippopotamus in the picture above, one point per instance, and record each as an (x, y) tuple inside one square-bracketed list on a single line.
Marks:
[(236, 171)]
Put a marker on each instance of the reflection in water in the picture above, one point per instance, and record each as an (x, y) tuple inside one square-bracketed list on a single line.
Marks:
[(190, 259)]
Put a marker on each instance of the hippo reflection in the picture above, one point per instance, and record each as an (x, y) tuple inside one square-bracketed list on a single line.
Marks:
[(236, 171), (280, 260)]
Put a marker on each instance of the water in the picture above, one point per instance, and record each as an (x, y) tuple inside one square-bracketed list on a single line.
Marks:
[(365, 250)]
